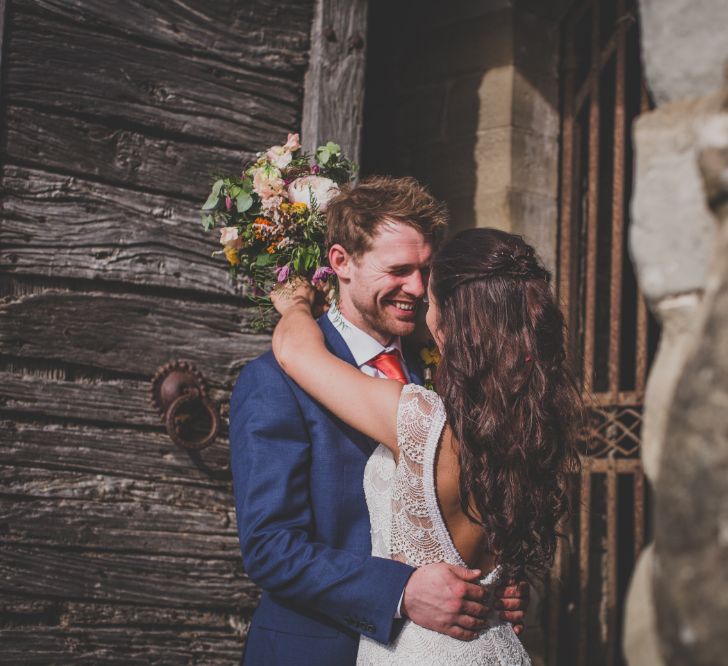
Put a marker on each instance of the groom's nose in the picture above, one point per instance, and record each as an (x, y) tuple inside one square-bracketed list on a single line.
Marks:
[(415, 285)]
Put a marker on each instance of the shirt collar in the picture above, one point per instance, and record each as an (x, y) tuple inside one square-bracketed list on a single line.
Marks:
[(363, 346)]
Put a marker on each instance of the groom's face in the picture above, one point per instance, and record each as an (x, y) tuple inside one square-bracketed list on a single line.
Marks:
[(386, 284)]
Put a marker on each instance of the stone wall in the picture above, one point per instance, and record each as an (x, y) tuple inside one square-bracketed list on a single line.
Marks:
[(464, 96), (678, 603)]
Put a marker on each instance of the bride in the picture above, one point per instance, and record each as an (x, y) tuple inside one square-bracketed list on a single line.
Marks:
[(473, 475)]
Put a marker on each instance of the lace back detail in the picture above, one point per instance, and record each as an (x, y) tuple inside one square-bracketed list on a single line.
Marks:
[(419, 535)]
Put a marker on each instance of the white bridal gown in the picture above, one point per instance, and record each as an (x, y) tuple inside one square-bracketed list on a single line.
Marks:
[(406, 524)]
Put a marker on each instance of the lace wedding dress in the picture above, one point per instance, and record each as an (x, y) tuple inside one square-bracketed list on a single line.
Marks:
[(406, 524)]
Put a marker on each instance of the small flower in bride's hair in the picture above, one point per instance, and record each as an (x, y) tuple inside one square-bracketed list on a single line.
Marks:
[(322, 274), (282, 273)]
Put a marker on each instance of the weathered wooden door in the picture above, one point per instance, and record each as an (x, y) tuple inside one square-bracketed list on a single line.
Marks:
[(117, 545)]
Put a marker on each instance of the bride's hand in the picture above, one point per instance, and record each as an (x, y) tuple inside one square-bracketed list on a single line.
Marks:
[(295, 292)]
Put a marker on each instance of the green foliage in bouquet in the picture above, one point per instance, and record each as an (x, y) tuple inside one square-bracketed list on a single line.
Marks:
[(271, 217)]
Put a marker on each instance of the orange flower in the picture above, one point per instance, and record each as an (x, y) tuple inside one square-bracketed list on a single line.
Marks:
[(263, 221)]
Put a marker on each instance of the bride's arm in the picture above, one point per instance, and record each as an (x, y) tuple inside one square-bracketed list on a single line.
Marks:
[(367, 404)]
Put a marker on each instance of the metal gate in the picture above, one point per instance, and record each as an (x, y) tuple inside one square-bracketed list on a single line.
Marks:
[(611, 334)]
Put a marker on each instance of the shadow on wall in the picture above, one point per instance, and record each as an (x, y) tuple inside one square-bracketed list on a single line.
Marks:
[(456, 96)]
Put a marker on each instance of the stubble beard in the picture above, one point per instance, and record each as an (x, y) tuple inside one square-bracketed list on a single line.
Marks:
[(377, 322)]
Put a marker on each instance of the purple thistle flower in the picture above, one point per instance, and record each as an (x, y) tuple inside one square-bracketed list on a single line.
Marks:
[(322, 274), (315, 169), (228, 203), (282, 273)]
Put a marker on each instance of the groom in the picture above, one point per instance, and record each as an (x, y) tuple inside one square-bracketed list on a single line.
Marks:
[(298, 471)]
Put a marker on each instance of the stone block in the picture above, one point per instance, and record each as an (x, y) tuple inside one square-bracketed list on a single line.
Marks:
[(420, 113), (534, 162), (641, 647), (535, 104), (480, 102), (691, 496), (465, 167), (677, 317), (535, 217), (465, 47), (684, 46), (672, 231), (536, 45)]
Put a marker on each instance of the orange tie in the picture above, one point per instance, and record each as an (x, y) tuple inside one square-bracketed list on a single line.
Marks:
[(388, 364)]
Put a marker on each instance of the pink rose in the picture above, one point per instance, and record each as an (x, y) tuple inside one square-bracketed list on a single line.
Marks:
[(228, 234), (293, 143), (303, 189), (229, 237), (279, 157), (267, 184)]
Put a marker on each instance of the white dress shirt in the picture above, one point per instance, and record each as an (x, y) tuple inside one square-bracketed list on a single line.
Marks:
[(364, 348)]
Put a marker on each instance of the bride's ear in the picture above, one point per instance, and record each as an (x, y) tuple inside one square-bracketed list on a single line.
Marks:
[(340, 261)]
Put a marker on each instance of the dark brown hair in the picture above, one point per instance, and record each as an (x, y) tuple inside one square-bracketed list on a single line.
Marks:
[(510, 400), (352, 217)]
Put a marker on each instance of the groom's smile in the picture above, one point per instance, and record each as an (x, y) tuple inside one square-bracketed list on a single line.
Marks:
[(381, 289)]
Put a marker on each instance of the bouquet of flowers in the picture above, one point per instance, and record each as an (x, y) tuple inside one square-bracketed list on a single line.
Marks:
[(271, 216)]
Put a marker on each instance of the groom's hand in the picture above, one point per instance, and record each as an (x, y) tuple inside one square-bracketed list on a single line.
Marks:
[(446, 599), (512, 602)]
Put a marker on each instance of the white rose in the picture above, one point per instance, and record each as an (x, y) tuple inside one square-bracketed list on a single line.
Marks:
[(322, 189)]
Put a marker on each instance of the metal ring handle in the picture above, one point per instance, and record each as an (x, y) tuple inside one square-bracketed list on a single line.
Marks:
[(170, 421)]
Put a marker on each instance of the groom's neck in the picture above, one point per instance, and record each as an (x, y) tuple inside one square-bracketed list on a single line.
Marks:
[(353, 315)]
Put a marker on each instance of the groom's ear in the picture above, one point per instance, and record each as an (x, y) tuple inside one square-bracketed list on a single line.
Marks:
[(340, 261)]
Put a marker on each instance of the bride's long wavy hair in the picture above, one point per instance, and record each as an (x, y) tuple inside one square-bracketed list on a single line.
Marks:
[(510, 399)]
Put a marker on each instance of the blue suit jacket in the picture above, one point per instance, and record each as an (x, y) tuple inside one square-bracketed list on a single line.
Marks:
[(303, 523)]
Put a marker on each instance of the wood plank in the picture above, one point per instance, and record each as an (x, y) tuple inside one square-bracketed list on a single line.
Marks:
[(152, 580), (194, 97), (125, 646), (117, 401), (20, 610), (113, 452), (68, 227), (118, 155), (336, 71), (272, 36), (129, 333), (65, 486), (141, 526), (58, 507), (112, 401)]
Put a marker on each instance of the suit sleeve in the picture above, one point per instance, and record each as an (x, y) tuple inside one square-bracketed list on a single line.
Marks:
[(270, 456)]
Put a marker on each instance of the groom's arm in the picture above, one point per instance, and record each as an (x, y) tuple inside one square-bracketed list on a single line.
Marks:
[(270, 454)]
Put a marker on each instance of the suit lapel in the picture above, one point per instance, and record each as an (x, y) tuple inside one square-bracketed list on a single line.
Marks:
[(339, 348)]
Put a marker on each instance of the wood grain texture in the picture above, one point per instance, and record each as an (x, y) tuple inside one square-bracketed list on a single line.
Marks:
[(129, 333), (112, 401), (122, 402), (60, 508), (161, 580), (114, 452), (333, 103), (194, 97), (63, 226), (120, 646), (270, 36), (122, 156)]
